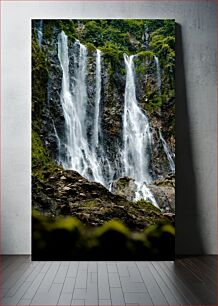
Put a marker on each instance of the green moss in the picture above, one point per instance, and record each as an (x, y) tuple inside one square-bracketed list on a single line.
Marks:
[(39, 154), (133, 26), (68, 223), (147, 206), (147, 54), (122, 71), (48, 28), (68, 27), (111, 53), (90, 47), (143, 62), (151, 214), (42, 165), (114, 226), (39, 79), (141, 68), (154, 103), (90, 204), (68, 239)]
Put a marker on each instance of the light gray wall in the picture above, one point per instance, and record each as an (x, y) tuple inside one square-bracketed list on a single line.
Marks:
[(196, 113)]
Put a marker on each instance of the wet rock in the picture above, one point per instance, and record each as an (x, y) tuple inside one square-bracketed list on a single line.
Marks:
[(66, 188), (90, 202), (163, 191), (124, 187)]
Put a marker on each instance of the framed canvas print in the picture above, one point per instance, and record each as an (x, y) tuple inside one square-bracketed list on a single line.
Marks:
[(103, 139)]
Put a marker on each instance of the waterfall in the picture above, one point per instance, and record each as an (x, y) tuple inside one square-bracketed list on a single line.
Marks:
[(97, 99), (78, 156), (136, 137), (136, 131), (145, 36), (89, 158), (58, 143), (158, 72), (143, 192), (169, 154), (39, 33)]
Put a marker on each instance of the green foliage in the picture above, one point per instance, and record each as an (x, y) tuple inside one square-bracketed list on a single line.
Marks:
[(49, 26), (164, 47), (146, 54), (68, 239), (39, 154), (112, 226), (42, 165), (39, 79), (143, 62), (166, 27), (152, 214), (154, 103), (92, 33), (147, 205), (124, 34), (68, 27), (132, 26), (111, 52), (90, 47), (159, 236)]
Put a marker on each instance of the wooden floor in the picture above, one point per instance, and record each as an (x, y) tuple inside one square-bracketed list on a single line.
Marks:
[(187, 281)]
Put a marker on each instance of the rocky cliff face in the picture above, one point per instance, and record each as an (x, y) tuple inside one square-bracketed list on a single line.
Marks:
[(111, 108)]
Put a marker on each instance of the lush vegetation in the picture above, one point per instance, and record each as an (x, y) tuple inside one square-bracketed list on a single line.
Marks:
[(114, 38), (68, 239), (121, 35)]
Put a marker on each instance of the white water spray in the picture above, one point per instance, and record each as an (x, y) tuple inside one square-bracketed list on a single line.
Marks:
[(40, 33), (136, 131), (78, 157), (169, 154), (158, 73), (97, 99), (58, 143), (136, 137)]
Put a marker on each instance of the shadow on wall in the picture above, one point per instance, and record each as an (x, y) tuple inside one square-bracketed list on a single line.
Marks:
[(188, 227)]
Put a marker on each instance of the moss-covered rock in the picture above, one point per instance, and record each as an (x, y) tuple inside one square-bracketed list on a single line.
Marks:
[(39, 81), (68, 239)]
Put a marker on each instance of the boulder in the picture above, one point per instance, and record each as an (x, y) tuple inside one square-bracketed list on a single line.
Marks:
[(124, 187), (163, 191)]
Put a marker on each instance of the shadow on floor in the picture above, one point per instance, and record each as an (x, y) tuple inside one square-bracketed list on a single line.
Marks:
[(188, 231)]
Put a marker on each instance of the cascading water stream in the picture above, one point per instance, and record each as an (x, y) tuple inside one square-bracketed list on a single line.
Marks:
[(40, 33), (58, 143), (136, 137), (136, 131), (158, 73), (78, 155), (169, 154), (76, 151), (97, 99)]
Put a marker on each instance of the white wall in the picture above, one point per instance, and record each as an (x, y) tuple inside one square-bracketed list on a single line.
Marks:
[(196, 112)]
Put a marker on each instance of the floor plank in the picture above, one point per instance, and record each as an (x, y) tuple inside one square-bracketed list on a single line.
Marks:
[(155, 292), (187, 281)]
